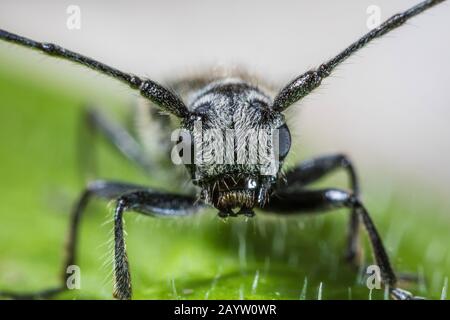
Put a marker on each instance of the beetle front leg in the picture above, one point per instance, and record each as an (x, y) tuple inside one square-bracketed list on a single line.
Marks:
[(131, 197), (312, 170), (309, 201), (147, 203), (122, 278), (107, 190)]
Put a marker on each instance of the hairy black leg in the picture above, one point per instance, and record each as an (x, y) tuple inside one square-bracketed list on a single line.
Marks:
[(122, 277), (312, 170), (148, 203), (101, 189), (108, 191), (116, 135), (308, 201)]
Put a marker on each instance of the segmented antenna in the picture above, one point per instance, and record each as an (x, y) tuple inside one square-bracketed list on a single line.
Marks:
[(307, 82), (153, 91)]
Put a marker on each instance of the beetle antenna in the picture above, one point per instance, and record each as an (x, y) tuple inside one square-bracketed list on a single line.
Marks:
[(164, 98)]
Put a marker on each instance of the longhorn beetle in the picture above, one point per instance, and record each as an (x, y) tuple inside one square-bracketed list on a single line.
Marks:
[(226, 104)]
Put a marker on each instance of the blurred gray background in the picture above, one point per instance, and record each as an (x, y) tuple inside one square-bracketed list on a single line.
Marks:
[(388, 107)]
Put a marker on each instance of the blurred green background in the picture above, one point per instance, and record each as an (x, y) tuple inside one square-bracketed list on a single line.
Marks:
[(201, 257)]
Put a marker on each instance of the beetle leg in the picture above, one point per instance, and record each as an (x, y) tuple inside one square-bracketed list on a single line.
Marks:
[(147, 203), (131, 197), (327, 199), (313, 170)]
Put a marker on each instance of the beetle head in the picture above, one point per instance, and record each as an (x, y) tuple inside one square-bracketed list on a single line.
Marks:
[(234, 145)]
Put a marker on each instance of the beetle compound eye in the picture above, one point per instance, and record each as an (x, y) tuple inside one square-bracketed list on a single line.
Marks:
[(284, 141)]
